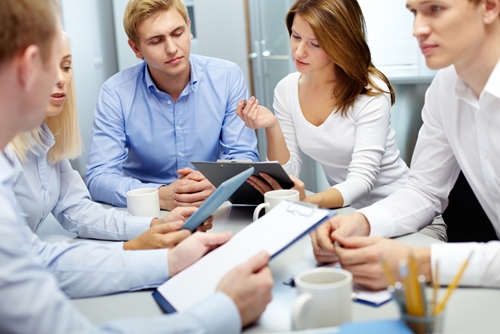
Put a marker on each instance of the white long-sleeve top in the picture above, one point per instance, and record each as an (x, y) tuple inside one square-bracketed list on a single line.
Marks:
[(358, 153), (42, 187), (460, 132)]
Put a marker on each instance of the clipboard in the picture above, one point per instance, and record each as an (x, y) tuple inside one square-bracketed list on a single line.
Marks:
[(220, 195), (218, 172), (274, 232)]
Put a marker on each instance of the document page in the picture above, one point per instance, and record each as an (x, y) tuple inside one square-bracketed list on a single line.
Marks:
[(275, 231)]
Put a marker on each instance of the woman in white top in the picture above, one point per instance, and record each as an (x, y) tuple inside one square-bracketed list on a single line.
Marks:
[(336, 108), (46, 183), (357, 151)]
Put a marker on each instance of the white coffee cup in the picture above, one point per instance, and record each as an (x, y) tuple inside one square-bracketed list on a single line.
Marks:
[(273, 198), (324, 298), (143, 202)]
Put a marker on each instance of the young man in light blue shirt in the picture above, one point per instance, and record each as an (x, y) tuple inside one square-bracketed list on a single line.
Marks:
[(37, 279), (153, 119)]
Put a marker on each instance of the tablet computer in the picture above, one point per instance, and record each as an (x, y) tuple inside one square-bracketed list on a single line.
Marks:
[(218, 172), (220, 195)]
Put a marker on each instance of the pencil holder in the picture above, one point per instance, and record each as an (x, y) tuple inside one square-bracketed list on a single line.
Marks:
[(424, 324)]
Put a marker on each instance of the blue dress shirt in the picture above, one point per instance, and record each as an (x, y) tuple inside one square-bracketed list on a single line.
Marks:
[(141, 137), (42, 187), (37, 278)]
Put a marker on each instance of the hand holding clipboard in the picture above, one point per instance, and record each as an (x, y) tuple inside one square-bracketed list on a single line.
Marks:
[(273, 233)]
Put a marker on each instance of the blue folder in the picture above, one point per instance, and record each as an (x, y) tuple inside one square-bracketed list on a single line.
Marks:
[(382, 326)]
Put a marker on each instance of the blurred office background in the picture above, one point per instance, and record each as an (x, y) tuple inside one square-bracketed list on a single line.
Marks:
[(252, 34)]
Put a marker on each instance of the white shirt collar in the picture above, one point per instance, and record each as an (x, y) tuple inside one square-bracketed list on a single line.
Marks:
[(492, 88), (6, 168)]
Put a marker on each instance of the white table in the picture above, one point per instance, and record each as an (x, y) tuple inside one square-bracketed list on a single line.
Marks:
[(470, 310)]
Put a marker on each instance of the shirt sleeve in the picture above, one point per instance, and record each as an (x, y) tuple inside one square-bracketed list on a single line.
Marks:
[(77, 213), (87, 269), (105, 177), (372, 120), (214, 315), (32, 301), (237, 140), (282, 109), (434, 171), (483, 269)]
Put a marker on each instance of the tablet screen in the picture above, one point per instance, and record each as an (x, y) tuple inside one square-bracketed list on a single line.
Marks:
[(212, 203)]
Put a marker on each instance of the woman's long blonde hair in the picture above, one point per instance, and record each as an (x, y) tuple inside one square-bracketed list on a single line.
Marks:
[(64, 127), (339, 27)]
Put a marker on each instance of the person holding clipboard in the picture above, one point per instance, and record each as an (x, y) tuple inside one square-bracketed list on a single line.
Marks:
[(38, 278), (460, 133), (334, 109)]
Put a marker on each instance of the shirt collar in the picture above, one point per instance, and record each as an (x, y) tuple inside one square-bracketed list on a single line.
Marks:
[(47, 138), (191, 86), (6, 169), (464, 92), (492, 87)]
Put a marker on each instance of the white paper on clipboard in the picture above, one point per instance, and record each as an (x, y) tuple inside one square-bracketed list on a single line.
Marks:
[(274, 232)]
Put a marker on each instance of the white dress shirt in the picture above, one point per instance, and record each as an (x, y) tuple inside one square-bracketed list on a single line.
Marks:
[(460, 132), (42, 187), (358, 153), (37, 278)]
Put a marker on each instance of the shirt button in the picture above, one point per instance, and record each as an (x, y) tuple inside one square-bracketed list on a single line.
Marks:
[(178, 128), (169, 102), (180, 154)]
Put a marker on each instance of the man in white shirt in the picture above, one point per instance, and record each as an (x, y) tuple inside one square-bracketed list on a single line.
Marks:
[(37, 279), (461, 131)]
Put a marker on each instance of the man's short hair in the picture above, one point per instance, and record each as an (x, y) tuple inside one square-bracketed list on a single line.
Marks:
[(27, 22), (139, 10)]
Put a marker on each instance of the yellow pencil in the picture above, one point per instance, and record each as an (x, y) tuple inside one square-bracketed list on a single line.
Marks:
[(435, 287), (388, 272), (405, 279), (453, 285), (416, 292)]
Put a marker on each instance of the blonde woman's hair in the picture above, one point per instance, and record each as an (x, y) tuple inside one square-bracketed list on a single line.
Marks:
[(339, 27), (64, 127), (139, 10)]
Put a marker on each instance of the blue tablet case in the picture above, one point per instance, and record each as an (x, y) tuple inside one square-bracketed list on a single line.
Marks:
[(221, 194)]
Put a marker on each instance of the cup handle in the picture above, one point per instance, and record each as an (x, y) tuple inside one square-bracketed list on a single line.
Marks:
[(298, 323), (259, 207)]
